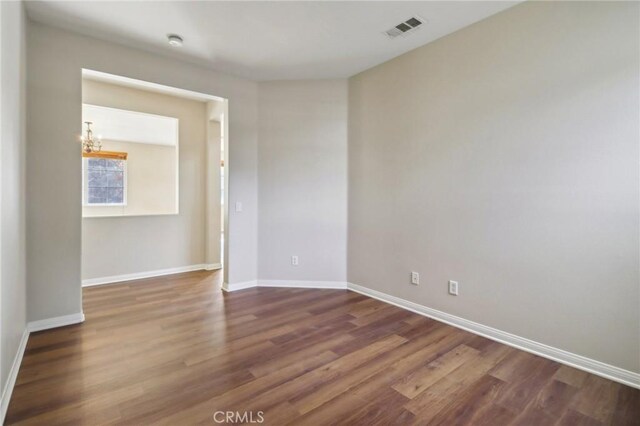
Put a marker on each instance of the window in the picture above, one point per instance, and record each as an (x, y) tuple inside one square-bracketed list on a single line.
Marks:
[(105, 182)]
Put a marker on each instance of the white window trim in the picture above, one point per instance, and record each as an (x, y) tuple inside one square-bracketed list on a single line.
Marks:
[(85, 188)]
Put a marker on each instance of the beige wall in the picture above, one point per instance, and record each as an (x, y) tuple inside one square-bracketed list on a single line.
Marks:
[(505, 156), (12, 188), (303, 180), (54, 211)]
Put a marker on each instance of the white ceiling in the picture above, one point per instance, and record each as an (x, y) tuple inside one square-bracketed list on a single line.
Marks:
[(268, 40)]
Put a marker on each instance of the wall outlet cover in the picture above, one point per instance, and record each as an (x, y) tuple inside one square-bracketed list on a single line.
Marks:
[(453, 288)]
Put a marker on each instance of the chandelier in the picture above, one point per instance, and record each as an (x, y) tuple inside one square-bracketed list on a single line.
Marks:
[(89, 144)]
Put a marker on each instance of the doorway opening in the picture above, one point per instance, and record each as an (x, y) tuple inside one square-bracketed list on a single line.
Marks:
[(153, 178)]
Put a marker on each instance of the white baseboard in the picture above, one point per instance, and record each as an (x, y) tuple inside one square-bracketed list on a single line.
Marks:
[(48, 323), (239, 286), (149, 274), (285, 283), (31, 327), (303, 284), (13, 375), (213, 266), (583, 363)]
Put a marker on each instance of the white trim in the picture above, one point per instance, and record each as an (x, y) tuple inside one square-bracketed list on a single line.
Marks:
[(48, 323), (155, 87), (341, 285), (13, 375), (303, 284), (148, 274), (239, 286), (598, 368)]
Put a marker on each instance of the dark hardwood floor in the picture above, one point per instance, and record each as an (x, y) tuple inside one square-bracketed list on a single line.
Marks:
[(176, 350)]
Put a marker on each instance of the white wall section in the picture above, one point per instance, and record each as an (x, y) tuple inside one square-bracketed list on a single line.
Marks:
[(117, 124), (303, 180), (12, 195), (505, 157)]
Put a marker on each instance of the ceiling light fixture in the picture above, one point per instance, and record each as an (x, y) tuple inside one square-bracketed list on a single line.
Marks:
[(175, 40)]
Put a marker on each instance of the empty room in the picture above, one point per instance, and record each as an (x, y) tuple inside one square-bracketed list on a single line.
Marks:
[(320, 212)]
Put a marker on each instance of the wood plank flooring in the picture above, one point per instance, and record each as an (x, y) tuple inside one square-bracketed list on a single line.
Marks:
[(175, 350)]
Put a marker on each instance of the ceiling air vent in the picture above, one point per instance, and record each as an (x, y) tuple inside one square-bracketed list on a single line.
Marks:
[(405, 27)]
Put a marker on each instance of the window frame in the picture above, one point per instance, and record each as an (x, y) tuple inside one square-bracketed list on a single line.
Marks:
[(85, 184)]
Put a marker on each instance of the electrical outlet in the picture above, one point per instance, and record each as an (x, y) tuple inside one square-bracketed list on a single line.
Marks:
[(453, 288), (415, 278), (294, 260)]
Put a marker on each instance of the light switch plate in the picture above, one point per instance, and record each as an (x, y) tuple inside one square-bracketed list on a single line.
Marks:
[(453, 288)]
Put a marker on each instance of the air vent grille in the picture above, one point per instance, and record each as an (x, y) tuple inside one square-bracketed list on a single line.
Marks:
[(405, 27)]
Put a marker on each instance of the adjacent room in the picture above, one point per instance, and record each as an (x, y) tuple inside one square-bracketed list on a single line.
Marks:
[(320, 212), (151, 179)]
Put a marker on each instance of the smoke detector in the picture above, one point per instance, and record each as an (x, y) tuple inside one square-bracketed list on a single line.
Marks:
[(406, 27), (174, 40)]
